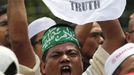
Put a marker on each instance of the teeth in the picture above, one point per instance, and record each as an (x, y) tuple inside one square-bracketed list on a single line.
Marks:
[(66, 70), (65, 67)]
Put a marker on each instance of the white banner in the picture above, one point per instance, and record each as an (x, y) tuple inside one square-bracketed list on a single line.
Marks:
[(85, 11)]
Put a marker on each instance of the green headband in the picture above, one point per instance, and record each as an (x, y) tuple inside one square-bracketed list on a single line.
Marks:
[(57, 35)]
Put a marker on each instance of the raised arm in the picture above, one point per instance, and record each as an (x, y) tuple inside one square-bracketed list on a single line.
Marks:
[(114, 35), (18, 33)]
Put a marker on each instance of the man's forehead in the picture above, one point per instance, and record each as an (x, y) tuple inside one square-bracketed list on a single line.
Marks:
[(131, 23), (3, 17), (64, 47), (96, 29)]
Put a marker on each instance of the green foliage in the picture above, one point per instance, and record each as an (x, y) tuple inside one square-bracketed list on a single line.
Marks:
[(37, 9)]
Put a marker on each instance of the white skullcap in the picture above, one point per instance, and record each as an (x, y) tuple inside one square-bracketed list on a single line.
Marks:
[(117, 57), (7, 57), (39, 25)]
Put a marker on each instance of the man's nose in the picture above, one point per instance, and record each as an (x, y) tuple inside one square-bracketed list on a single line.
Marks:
[(65, 59), (101, 40)]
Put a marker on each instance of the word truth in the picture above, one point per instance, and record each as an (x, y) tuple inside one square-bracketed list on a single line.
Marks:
[(85, 6)]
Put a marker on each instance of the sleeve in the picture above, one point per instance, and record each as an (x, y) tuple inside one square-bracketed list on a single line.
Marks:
[(97, 63), (28, 71)]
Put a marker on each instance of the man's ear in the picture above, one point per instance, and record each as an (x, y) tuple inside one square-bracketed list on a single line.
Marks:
[(127, 36), (42, 67)]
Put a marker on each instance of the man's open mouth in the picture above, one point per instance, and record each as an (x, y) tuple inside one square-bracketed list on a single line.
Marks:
[(66, 70)]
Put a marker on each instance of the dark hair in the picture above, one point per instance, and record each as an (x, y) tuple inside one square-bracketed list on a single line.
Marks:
[(44, 55), (61, 24), (33, 42), (11, 70), (3, 9)]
